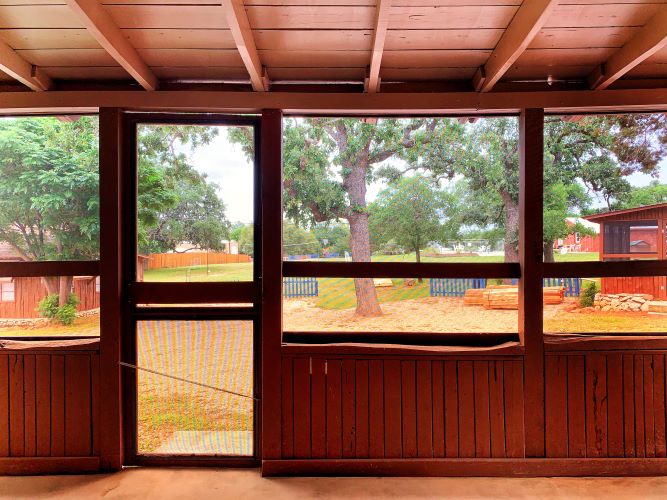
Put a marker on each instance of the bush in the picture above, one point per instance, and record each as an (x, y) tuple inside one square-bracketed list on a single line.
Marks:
[(587, 296), (66, 314)]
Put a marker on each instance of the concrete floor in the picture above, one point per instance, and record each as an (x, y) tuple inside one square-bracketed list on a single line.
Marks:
[(205, 484)]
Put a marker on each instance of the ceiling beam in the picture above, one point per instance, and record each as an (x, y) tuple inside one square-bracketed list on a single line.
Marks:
[(17, 67), (648, 40), (102, 27), (372, 83), (237, 19), (525, 25)]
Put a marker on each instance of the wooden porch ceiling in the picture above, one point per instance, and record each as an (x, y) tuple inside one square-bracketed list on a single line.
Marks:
[(481, 45)]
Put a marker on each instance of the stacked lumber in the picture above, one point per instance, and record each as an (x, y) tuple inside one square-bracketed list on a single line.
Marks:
[(504, 297), (657, 306), (473, 296), (553, 294)]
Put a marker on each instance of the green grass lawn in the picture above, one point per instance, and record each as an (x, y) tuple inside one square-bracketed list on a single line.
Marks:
[(214, 272)]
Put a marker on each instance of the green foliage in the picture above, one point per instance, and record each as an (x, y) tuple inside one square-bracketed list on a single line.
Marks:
[(297, 241), (642, 196), (49, 307), (333, 238), (407, 213), (587, 296), (244, 235)]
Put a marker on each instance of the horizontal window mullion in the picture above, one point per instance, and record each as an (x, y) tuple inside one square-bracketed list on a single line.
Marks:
[(400, 270), (192, 293), (601, 269), (50, 268)]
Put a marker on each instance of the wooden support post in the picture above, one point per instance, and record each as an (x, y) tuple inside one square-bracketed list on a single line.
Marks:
[(531, 178), (271, 156), (110, 290)]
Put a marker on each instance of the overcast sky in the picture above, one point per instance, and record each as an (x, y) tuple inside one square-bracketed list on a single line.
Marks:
[(226, 165)]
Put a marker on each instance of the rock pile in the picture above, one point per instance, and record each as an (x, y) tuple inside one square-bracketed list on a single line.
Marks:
[(622, 302)]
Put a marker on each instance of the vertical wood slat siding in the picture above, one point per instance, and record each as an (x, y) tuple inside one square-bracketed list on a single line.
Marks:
[(392, 408), (606, 405), (47, 405)]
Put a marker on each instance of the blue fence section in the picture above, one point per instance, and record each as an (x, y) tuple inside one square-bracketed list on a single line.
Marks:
[(454, 287), (300, 287), (572, 286)]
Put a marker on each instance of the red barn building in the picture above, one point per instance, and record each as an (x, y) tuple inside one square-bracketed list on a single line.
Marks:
[(576, 242), (633, 234)]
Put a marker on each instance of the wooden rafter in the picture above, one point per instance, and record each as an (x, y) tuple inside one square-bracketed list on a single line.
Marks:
[(102, 27), (649, 40), (377, 49), (245, 43), (526, 24), (17, 67)]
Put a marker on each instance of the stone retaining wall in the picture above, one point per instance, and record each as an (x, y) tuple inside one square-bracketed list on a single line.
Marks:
[(40, 322), (622, 301)]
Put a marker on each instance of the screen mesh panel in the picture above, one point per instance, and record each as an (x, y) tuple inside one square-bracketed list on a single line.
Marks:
[(195, 388)]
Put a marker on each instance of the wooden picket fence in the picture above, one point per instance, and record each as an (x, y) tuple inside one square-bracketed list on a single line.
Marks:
[(300, 287), (454, 287), (191, 259)]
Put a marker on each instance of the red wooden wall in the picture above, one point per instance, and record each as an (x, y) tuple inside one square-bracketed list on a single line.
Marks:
[(653, 285), (28, 292), (378, 407), (605, 405), (49, 409)]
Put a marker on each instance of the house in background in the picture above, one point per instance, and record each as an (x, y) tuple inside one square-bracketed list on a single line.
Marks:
[(576, 242), (633, 234)]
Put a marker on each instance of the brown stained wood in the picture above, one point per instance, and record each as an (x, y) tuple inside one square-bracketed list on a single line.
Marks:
[(334, 409), (237, 20), (287, 413), (192, 293), (14, 64), (43, 404), (318, 435), (659, 407), (57, 406), (26, 466), (4, 405), (451, 401), (382, 10), (640, 437), (482, 415), (596, 406), (466, 404), (376, 408), (95, 403), (531, 204), (392, 409), (556, 406), (425, 409), (301, 397), (50, 268), (271, 310), (361, 414), (399, 270), (515, 443), (438, 403), (649, 417), (497, 409), (576, 407), (16, 407), (629, 406), (348, 408), (78, 419), (615, 445), (451, 17), (409, 409), (29, 405)]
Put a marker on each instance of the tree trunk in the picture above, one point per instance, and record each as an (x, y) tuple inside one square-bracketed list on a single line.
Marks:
[(418, 258), (511, 243), (548, 250), (64, 289), (360, 246), (52, 284)]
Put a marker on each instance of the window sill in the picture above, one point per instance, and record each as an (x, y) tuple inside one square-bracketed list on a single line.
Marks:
[(593, 342)]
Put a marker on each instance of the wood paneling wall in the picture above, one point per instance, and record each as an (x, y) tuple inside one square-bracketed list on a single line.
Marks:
[(605, 405), (401, 408), (49, 404)]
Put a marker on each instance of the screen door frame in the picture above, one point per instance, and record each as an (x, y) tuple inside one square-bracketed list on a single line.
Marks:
[(195, 294)]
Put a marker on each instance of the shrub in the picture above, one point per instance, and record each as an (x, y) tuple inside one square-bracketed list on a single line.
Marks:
[(65, 314), (587, 296)]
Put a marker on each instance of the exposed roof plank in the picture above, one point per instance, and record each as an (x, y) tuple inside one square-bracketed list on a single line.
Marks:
[(649, 40), (240, 27), (377, 48), (20, 69), (100, 24), (527, 23)]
